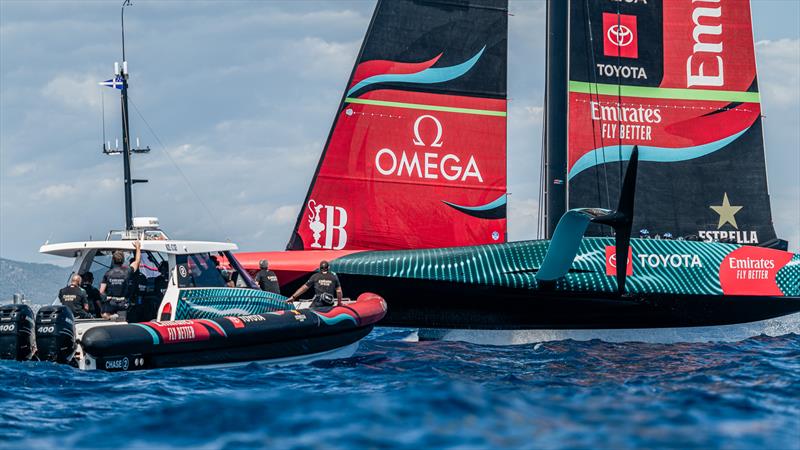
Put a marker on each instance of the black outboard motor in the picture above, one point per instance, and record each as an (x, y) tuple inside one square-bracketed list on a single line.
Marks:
[(55, 334), (17, 338)]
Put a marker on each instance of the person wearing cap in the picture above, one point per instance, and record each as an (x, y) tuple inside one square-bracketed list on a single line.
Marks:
[(116, 283), (325, 283), (266, 279)]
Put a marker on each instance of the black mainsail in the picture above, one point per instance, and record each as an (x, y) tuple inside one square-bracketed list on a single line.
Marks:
[(678, 79)]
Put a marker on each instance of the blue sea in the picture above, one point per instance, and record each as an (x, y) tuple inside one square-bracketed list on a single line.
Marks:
[(398, 394)]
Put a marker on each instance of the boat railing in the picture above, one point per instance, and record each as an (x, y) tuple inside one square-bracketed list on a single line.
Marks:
[(131, 235)]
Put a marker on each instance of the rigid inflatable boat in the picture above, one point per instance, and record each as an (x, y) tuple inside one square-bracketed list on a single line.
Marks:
[(210, 313)]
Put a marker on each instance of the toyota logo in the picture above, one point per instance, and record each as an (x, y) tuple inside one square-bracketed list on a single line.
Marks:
[(620, 35), (612, 260)]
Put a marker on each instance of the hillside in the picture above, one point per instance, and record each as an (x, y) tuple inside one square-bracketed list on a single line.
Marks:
[(39, 282)]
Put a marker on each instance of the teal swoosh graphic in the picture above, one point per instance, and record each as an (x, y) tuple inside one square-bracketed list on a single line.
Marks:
[(427, 76), (339, 318), (500, 201), (652, 154), (149, 330)]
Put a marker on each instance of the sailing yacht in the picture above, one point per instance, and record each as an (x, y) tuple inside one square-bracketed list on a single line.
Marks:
[(652, 129)]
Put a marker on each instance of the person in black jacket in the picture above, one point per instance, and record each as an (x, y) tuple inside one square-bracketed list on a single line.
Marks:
[(325, 284), (74, 297), (266, 279), (116, 282), (94, 295)]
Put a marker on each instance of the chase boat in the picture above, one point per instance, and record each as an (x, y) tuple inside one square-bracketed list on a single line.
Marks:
[(199, 321)]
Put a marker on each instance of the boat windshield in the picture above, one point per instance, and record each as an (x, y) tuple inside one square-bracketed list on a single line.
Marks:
[(200, 270), (217, 269)]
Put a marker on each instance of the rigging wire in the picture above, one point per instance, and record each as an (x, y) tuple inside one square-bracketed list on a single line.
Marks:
[(619, 103), (594, 86), (103, 114), (542, 181), (590, 55), (177, 167)]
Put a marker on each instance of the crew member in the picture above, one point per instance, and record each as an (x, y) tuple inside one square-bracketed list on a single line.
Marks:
[(161, 281), (325, 284), (74, 297), (159, 289), (266, 279), (137, 292), (116, 282), (94, 295)]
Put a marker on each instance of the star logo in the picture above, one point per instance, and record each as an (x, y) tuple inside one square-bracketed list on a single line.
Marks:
[(726, 212)]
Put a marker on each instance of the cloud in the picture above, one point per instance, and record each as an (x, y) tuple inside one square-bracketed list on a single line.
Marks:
[(523, 216), (284, 215), (778, 66), (54, 192), (21, 169), (74, 91), (325, 58)]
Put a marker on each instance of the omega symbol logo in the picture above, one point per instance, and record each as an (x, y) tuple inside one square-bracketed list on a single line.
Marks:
[(437, 142), (620, 35), (427, 163)]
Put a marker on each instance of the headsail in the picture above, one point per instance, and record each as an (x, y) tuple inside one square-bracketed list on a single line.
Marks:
[(416, 157), (678, 78)]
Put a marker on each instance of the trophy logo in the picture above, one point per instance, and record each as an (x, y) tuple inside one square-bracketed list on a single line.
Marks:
[(335, 221)]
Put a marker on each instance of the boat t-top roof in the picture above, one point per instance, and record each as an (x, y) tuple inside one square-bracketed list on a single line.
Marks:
[(146, 231), (73, 249)]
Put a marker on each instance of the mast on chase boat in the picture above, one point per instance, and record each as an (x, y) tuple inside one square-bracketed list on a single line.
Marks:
[(120, 81)]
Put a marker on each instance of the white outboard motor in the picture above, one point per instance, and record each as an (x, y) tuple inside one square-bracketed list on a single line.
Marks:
[(17, 338), (55, 334)]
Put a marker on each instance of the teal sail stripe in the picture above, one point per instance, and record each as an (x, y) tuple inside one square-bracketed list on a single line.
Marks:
[(496, 203), (611, 154), (427, 76)]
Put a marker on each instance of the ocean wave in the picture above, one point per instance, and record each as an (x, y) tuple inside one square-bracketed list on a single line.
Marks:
[(399, 394)]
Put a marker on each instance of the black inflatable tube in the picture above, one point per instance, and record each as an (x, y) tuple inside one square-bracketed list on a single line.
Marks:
[(257, 352), (154, 338)]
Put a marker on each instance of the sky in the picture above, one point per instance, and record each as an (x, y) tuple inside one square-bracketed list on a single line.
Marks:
[(236, 99)]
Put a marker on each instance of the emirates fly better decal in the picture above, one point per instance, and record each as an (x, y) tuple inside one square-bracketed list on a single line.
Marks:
[(678, 79), (417, 154)]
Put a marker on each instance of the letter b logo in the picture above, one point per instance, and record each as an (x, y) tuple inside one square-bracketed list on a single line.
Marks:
[(335, 221)]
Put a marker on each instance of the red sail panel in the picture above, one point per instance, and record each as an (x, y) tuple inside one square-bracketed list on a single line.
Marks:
[(708, 45), (416, 157), (678, 79), (398, 167)]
